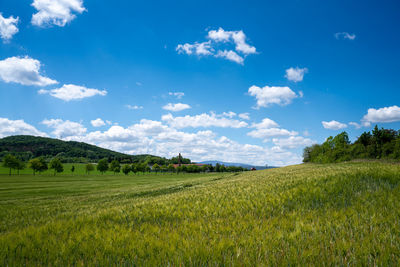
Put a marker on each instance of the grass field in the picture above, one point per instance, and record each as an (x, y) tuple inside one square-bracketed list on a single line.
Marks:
[(333, 214), (79, 170)]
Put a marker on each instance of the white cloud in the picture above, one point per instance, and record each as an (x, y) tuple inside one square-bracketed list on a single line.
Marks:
[(139, 84), (200, 49), (229, 114), (134, 107), (23, 70), (270, 132), (355, 124), (17, 127), (265, 124), (176, 107), (241, 46), (152, 137), (212, 46), (8, 27), (345, 35), (230, 55), (293, 142), (178, 95), (97, 122), (202, 120), (269, 95), (238, 38), (219, 35), (333, 125), (57, 12), (386, 114), (244, 116), (295, 74), (70, 92), (63, 129)]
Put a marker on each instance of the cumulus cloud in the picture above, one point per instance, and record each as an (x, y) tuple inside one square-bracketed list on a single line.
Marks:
[(63, 129), (265, 124), (345, 35), (238, 38), (229, 114), (70, 92), (134, 107), (270, 132), (230, 55), (178, 95), (176, 107), (333, 125), (355, 124), (269, 95), (386, 114), (17, 127), (153, 137), (23, 70), (202, 120), (97, 122), (200, 49), (56, 12), (212, 47), (295, 74), (244, 116), (293, 142), (268, 128), (8, 27)]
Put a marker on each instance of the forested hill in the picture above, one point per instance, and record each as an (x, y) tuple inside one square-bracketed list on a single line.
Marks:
[(26, 147)]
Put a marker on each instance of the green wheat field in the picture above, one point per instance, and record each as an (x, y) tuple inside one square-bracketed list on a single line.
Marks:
[(309, 214)]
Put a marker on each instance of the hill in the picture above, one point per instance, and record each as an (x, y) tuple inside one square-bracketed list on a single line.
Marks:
[(26, 147), (243, 165), (331, 214)]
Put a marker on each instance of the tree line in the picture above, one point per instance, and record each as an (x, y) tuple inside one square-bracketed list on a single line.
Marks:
[(378, 144), (39, 164)]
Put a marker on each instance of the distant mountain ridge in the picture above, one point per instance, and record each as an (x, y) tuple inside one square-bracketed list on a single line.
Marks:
[(247, 166)]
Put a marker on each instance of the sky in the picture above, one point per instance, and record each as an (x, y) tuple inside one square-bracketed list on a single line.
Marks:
[(237, 81)]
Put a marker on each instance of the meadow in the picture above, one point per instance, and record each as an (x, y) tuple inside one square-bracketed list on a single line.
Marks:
[(309, 214)]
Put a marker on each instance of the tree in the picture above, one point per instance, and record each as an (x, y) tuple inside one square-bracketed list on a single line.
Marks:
[(156, 167), (164, 168), (146, 167), (37, 165), (217, 167), (11, 162), (21, 165), (72, 169), (134, 168), (204, 168), (126, 169), (102, 166), (89, 167), (115, 166), (211, 168), (56, 164), (171, 168)]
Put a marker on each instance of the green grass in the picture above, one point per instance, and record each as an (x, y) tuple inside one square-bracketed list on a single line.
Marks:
[(79, 170), (333, 214)]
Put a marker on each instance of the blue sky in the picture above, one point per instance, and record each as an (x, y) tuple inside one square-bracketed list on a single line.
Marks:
[(244, 81)]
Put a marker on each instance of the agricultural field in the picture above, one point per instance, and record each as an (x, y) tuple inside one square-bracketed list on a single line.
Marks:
[(330, 214)]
